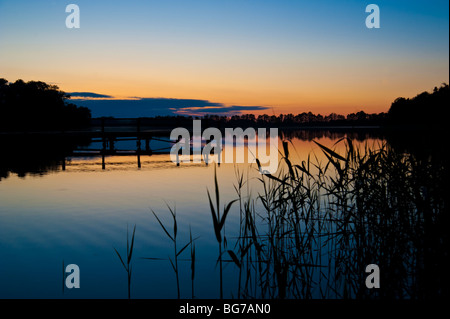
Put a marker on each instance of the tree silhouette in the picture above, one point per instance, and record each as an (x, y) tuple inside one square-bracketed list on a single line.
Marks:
[(36, 105), (425, 110)]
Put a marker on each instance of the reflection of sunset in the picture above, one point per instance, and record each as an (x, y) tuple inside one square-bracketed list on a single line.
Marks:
[(299, 150), (123, 183)]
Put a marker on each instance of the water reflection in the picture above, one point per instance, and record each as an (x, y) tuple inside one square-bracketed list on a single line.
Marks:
[(76, 211), (31, 155)]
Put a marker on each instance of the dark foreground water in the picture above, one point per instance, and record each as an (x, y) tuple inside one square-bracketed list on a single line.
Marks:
[(56, 212)]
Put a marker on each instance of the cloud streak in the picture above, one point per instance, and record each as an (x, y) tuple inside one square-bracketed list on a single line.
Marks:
[(148, 107), (88, 95)]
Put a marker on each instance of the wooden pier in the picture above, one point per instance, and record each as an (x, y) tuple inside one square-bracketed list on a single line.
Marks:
[(108, 133)]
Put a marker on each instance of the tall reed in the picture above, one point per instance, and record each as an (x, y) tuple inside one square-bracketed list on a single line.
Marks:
[(218, 224), (318, 224), (127, 265), (176, 253)]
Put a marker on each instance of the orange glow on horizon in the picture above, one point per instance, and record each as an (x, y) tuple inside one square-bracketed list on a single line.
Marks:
[(325, 90), (267, 56)]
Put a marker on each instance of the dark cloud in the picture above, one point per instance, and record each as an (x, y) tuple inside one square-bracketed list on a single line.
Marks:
[(147, 107), (221, 110), (88, 95)]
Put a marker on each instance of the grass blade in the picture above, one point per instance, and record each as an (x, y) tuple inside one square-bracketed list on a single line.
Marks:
[(132, 244), (216, 186), (174, 216), (234, 258), (173, 266), (182, 249), (121, 260), (225, 213), (332, 153), (215, 222), (164, 228)]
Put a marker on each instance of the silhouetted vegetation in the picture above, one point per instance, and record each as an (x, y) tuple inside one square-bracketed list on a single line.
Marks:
[(369, 205), (37, 106), (416, 125), (303, 120), (425, 110), (316, 225)]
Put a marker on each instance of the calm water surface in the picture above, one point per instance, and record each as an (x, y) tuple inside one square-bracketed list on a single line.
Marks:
[(80, 214)]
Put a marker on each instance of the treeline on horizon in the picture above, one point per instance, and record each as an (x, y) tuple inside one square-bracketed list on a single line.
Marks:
[(302, 119), (424, 111), (36, 105)]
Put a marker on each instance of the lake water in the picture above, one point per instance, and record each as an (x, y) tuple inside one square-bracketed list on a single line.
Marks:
[(79, 214)]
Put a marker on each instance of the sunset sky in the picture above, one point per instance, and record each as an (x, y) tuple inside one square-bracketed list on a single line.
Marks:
[(285, 56)]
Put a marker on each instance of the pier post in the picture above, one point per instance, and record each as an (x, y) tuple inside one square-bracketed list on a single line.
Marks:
[(206, 159), (103, 126), (111, 144), (138, 152), (138, 126)]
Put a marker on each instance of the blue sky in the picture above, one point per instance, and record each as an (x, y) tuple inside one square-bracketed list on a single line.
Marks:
[(289, 56)]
